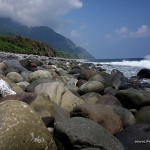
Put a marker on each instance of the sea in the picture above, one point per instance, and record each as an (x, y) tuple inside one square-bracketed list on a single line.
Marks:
[(128, 66)]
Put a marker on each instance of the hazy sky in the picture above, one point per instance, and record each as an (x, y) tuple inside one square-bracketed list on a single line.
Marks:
[(106, 28)]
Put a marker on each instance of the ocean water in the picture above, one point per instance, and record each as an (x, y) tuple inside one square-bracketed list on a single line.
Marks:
[(128, 66)]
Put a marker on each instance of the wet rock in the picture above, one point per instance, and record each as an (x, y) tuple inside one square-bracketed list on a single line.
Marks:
[(83, 133), (100, 114), (133, 98), (135, 137), (144, 73), (21, 128)]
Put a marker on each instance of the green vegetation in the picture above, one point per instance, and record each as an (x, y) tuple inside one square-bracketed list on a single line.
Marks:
[(18, 44)]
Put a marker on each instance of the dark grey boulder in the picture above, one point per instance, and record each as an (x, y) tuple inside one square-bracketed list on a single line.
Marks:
[(79, 133), (110, 90), (136, 137), (31, 87), (14, 64), (133, 98), (144, 73)]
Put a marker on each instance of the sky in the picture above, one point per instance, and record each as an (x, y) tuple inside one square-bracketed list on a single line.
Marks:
[(105, 28)]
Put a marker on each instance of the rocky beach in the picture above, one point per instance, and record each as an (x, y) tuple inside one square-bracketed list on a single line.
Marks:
[(48, 103)]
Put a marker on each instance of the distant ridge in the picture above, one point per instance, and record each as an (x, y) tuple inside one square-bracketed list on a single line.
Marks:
[(61, 44)]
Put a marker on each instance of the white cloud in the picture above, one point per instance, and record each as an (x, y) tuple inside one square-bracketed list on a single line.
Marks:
[(142, 31), (38, 12), (122, 30), (125, 33)]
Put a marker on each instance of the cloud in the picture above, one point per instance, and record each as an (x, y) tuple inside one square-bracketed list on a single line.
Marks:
[(142, 31), (38, 12), (75, 34), (125, 33), (122, 30)]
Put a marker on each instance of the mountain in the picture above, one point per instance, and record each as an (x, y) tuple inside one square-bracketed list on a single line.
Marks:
[(18, 44), (61, 44)]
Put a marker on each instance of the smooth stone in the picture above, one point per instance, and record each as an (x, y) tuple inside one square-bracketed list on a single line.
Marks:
[(125, 115), (8, 70), (143, 115), (23, 84), (101, 114), (135, 137), (144, 73), (91, 86), (15, 77), (14, 64), (39, 74), (83, 133), (21, 128), (2, 66), (12, 85), (91, 97), (109, 100), (31, 86), (59, 94), (133, 98)]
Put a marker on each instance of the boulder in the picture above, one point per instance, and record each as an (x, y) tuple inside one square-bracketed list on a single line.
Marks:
[(23, 84), (78, 133), (125, 115), (133, 98), (100, 114), (2, 66), (135, 137), (143, 115), (39, 74), (21, 128), (111, 91), (14, 64), (12, 85), (144, 73), (59, 94), (91, 97), (8, 70), (108, 100), (31, 86), (91, 86), (15, 77), (86, 74), (61, 71)]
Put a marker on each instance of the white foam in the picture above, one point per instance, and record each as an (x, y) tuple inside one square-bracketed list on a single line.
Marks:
[(140, 64)]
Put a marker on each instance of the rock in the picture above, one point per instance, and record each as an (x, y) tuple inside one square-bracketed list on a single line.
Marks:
[(42, 105), (14, 64), (12, 85), (135, 137), (2, 66), (125, 115), (26, 75), (8, 70), (59, 94), (143, 115), (144, 73), (80, 82), (86, 74), (109, 100), (133, 98), (1, 72), (5, 89), (91, 97), (21, 128), (24, 97), (81, 133), (31, 86), (99, 78), (111, 91), (61, 71), (91, 86), (23, 84), (39, 74), (100, 114), (15, 77), (48, 121)]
